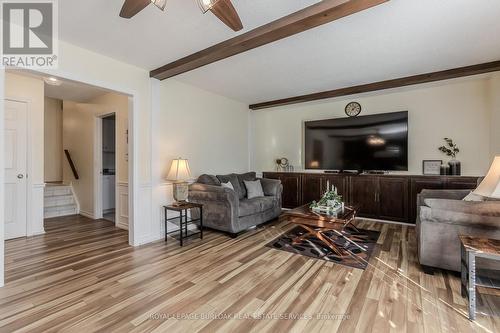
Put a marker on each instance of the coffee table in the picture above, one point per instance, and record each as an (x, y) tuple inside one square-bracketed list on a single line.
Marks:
[(317, 224)]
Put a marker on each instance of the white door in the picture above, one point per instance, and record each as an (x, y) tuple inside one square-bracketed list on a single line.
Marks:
[(15, 169)]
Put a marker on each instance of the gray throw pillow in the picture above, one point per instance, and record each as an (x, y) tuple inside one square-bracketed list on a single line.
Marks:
[(234, 180), (254, 189)]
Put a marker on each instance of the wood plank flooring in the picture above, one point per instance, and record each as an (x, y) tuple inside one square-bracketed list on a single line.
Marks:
[(81, 276)]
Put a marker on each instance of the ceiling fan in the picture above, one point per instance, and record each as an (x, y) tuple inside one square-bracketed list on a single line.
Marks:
[(223, 9)]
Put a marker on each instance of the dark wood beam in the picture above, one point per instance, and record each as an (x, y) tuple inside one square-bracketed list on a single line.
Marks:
[(310, 17), (394, 83)]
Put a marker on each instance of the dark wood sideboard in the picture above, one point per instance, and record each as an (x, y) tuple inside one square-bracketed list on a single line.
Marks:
[(387, 197)]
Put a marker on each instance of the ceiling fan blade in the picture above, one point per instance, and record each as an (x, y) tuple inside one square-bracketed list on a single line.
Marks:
[(132, 7), (225, 11)]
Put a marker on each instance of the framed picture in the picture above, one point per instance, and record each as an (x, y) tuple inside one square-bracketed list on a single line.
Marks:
[(431, 167)]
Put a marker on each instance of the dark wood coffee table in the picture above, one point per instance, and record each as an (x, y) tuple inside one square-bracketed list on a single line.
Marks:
[(317, 224)]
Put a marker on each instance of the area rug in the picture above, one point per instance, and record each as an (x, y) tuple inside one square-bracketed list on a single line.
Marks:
[(314, 248)]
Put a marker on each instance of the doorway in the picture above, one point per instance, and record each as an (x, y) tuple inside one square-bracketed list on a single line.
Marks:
[(108, 167)]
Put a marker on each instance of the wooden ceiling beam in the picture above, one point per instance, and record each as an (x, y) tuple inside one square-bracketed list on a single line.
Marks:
[(310, 17), (382, 85)]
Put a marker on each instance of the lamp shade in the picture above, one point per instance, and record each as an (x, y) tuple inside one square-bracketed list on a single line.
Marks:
[(490, 186), (179, 170), (160, 3), (206, 5)]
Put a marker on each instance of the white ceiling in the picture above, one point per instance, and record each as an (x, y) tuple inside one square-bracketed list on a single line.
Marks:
[(73, 91), (396, 39)]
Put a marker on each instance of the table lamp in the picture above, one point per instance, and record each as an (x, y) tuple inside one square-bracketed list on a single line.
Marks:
[(490, 186), (179, 174)]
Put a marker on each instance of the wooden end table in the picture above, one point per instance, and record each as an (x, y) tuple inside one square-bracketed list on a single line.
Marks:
[(317, 224), (472, 248), (183, 220)]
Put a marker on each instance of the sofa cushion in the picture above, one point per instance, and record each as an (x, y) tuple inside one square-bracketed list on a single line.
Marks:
[(249, 176), (484, 208), (256, 205), (254, 189), (233, 178), (208, 180)]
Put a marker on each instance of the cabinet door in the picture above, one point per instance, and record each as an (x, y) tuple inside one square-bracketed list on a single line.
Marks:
[(312, 188), (291, 190), (363, 192), (393, 198), (417, 185)]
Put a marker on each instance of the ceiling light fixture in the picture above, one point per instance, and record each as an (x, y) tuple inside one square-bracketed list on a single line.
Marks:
[(159, 3), (52, 81), (206, 5)]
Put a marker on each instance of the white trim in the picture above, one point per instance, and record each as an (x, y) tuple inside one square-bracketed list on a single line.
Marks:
[(97, 167), (87, 214)]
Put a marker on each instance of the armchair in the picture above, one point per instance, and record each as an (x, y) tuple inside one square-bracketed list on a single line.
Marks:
[(443, 216)]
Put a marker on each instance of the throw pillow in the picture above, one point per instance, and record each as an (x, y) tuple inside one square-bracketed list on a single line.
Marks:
[(474, 197), (254, 189), (234, 181), (227, 185)]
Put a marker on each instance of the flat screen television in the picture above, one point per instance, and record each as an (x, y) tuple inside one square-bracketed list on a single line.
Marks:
[(366, 143)]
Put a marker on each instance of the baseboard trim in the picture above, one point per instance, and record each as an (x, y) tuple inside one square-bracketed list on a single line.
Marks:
[(121, 226), (87, 214)]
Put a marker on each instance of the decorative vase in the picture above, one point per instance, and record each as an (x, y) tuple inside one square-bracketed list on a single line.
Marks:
[(444, 170), (455, 167)]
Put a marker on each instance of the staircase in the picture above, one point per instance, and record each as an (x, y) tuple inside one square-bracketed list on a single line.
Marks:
[(59, 201)]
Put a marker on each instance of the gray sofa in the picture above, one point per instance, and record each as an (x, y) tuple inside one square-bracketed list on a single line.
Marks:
[(443, 216), (229, 210)]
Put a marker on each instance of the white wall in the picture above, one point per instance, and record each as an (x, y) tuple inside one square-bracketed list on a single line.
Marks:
[(494, 98), (457, 109), (53, 153), (210, 130), (2, 181), (78, 139)]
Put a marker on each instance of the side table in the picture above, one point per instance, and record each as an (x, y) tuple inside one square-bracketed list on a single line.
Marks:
[(183, 220), (472, 248)]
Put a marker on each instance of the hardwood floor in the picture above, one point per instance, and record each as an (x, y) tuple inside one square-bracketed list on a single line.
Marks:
[(81, 276)]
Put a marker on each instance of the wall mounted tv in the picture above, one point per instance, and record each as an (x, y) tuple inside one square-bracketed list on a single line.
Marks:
[(367, 143)]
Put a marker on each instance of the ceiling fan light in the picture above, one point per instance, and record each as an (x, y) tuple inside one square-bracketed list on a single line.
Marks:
[(159, 3), (206, 5)]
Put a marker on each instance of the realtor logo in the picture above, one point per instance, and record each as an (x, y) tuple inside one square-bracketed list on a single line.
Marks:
[(29, 33)]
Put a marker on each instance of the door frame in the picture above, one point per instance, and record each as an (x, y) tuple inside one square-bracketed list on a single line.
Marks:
[(97, 174)]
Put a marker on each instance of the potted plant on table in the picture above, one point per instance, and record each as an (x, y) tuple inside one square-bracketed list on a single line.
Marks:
[(452, 150), (331, 202)]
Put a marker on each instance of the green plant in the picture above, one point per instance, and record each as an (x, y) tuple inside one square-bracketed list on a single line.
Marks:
[(329, 195), (450, 148)]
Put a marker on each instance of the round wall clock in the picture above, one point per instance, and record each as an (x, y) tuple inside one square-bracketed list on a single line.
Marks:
[(353, 109)]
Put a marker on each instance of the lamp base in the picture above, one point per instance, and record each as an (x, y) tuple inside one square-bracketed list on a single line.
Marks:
[(181, 192)]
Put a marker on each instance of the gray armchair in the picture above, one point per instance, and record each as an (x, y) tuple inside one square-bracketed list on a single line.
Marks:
[(443, 216), (229, 210)]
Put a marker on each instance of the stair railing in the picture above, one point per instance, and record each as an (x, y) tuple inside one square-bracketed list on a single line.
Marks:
[(71, 164)]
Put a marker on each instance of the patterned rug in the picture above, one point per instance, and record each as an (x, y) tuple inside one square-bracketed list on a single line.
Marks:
[(313, 247)]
